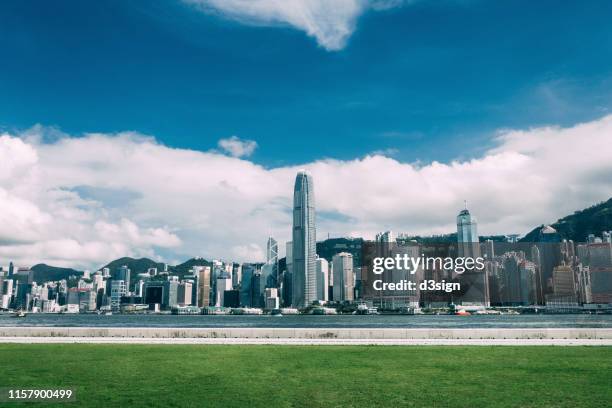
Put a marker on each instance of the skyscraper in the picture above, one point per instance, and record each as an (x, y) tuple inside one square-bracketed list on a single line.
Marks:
[(304, 242), (467, 234), (270, 269), (204, 286), (344, 283), (474, 282), (322, 279)]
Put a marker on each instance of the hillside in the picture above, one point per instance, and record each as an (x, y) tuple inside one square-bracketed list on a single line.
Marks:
[(580, 224), (182, 269), (44, 272), (136, 266)]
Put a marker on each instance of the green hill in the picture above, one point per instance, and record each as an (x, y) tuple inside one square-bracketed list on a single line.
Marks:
[(136, 266), (580, 224), (183, 269), (44, 272)]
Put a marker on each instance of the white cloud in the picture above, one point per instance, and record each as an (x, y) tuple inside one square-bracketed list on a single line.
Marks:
[(237, 147), (87, 200), (331, 23)]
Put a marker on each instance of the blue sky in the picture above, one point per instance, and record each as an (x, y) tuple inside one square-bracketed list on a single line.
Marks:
[(423, 81)]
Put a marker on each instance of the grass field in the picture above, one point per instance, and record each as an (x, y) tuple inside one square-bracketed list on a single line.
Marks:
[(303, 376)]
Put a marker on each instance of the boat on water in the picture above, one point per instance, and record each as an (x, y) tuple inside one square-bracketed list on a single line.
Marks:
[(364, 309), (19, 313)]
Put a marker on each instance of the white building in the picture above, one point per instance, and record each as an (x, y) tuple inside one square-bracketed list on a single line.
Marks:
[(224, 282), (322, 279), (344, 279)]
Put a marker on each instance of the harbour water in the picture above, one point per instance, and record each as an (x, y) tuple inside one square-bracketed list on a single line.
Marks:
[(310, 321)]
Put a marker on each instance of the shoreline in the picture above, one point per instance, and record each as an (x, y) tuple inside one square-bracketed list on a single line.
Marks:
[(309, 336), (307, 342)]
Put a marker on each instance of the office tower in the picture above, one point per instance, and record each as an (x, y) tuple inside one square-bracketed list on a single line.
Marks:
[(585, 292), (304, 241), (563, 283), (236, 274), (344, 282), (164, 293), (385, 241), (322, 279), (271, 250), (11, 269), (467, 235), (204, 286), (118, 289), (1, 283), (287, 284), (184, 292), (510, 279), (528, 283), (272, 260), (224, 283), (488, 249), (600, 269), (123, 273), (537, 261), (474, 282), (272, 301), (138, 287), (252, 287), (549, 244)]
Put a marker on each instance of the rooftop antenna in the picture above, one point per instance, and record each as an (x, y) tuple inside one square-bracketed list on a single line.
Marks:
[(465, 204)]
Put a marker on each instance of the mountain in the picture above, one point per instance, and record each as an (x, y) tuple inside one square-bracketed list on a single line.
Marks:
[(183, 269), (580, 224), (136, 266), (44, 272)]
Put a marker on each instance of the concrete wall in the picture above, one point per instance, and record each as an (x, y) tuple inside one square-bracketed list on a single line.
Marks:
[(262, 333)]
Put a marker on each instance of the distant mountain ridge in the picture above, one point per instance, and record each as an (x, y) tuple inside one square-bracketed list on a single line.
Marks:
[(136, 265), (578, 226), (44, 272)]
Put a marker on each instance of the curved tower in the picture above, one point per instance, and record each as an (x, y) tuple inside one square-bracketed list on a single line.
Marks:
[(304, 242)]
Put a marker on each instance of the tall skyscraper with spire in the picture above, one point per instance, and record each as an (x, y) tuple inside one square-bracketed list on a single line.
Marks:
[(304, 242), (475, 283), (467, 234)]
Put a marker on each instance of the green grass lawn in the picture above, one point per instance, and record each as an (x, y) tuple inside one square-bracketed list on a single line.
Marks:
[(302, 376)]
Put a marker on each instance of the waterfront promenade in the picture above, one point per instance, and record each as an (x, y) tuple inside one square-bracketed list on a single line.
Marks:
[(308, 336)]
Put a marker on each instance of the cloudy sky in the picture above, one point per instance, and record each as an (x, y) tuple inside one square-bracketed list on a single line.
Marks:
[(174, 129)]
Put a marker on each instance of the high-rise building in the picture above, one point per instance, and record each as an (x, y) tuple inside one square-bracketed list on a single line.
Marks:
[(322, 279), (600, 265), (563, 280), (304, 241), (272, 301), (287, 281), (236, 274), (344, 282), (123, 273), (184, 293), (272, 278), (474, 281), (467, 235), (549, 244), (118, 289), (224, 283), (204, 286)]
